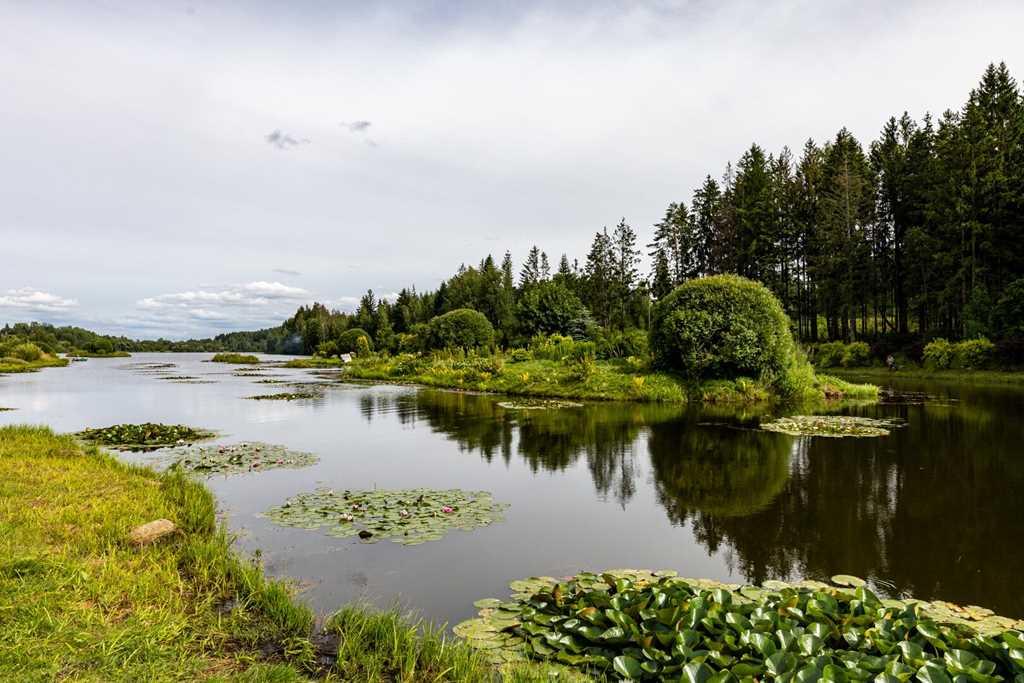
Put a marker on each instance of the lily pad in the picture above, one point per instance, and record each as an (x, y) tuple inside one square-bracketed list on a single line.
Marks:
[(406, 516), (286, 396), (240, 457), (538, 404), (651, 626), (831, 426), (145, 436)]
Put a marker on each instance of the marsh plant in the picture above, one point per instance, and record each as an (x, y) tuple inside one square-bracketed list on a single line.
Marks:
[(148, 435)]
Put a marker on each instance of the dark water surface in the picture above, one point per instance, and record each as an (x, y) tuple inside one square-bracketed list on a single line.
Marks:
[(935, 510)]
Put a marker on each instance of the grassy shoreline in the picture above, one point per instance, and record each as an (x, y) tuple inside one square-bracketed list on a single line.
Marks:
[(959, 376), (78, 601), (604, 380), (14, 365)]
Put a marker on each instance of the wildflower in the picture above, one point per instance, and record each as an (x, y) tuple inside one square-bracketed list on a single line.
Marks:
[(447, 509)]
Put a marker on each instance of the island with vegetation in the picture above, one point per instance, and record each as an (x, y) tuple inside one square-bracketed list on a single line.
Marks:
[(17, 355), (236, 358)]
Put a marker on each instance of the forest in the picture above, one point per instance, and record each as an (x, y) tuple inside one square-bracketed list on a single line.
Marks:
[(913, 236)]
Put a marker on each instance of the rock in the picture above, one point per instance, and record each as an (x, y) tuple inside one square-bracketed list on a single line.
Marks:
[(147, 533)]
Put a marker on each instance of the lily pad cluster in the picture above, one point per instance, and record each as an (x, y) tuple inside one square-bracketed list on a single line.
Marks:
[(148, 435), (406, 516), (240, 457), (638, 625), (538, 404), (286, 396), (831, 425)]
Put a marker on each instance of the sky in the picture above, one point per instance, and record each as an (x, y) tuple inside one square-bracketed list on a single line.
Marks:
[(181, 169)]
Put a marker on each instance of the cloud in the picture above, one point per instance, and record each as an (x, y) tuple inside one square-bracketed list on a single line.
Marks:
[(33, 300), (350, 303), (287, 271), (282, 140), (358, 126), (251, 294)]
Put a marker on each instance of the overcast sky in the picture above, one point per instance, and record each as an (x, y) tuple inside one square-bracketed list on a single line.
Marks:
[(184, 168)]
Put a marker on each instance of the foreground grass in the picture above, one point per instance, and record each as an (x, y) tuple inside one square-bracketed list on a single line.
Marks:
[(958, 376), (240, 358), (617, 380), (10, 365), (77, 602)]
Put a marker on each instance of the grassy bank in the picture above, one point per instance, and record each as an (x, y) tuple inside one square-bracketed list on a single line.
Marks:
[(78, 602), (620, 380), (314, 362), (10, 364), (99, 354), (239, 358), (959, 376)]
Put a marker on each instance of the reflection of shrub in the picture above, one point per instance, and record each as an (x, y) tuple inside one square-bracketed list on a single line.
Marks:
[(938, 355), (725, 327), (973, 354), (28, 352), (348, 342), (856, 355), (462, 328)]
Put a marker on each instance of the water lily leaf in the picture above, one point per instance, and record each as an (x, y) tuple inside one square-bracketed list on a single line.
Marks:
[(628, 667), (847, 580)]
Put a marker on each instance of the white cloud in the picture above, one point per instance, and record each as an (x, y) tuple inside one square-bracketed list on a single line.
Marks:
[(33, 300), (251, 294)]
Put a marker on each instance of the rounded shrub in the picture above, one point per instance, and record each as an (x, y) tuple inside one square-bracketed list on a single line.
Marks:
[(462, 328), (829, 354), (938, 355), (348, 342), (856, 355), (27, 352), (723, 327), (974, 354)]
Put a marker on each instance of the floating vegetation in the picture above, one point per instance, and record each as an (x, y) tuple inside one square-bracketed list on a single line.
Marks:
[(891, 396), (2, 409), (831, 425), (240, 358), (240, 457), (146, 436), (177, 377), (286, 396), (252, 374), (407, 516), (272, 381), (640, 625), (538, 404)]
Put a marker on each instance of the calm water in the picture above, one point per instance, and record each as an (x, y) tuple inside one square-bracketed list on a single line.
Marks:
[(935, 510)]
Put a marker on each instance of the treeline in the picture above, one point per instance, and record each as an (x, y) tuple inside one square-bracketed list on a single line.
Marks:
[(920, 231), (65, 339)]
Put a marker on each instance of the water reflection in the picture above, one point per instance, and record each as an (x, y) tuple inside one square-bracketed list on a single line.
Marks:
[(932, 510)]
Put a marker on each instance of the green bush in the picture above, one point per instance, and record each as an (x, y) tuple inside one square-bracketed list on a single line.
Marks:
[(462, 328), (28, 352), (520, 355), (830, 354), (621, 343), (856, 355), (723, 327), (1009, 311), (548, 308), (348, 342), (327, 349), (938, 355), (973, 354)]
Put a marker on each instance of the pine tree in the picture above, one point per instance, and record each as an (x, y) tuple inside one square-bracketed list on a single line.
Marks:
[(530, 274), (545, 267), (599, 275)]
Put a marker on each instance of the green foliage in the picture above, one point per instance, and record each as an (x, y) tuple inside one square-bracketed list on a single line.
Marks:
[(856, 354), (973, 354), (1008, 316), (830, 354), (236, 358), (550, 307), (27, 352), (462, 328), (722, 327), (348, 342), (559, 347), (621, 343), (143, 436), (653, 626)]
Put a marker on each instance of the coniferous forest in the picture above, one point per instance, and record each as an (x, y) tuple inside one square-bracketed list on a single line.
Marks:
[(910, 236)]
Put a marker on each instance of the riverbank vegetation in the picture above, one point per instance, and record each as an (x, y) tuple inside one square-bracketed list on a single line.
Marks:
[(79, 353), (21, 356), (143, 436), (236, 358)]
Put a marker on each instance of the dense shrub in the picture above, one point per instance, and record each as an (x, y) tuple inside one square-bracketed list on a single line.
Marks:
[(462, 328), (1010, 352), (856, 355), (550, 308), (1008, 316), (723, 326), (28, 352), (938, 354), (348, 342), (327, 349), (973, 354), (621, 343), (829, 354), (553, 347)]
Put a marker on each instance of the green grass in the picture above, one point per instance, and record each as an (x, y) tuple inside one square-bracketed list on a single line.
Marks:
[(315, 362), (78, 602), (599, 380), (99, 354), (959, 376), (10, 364), (240, 358)]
